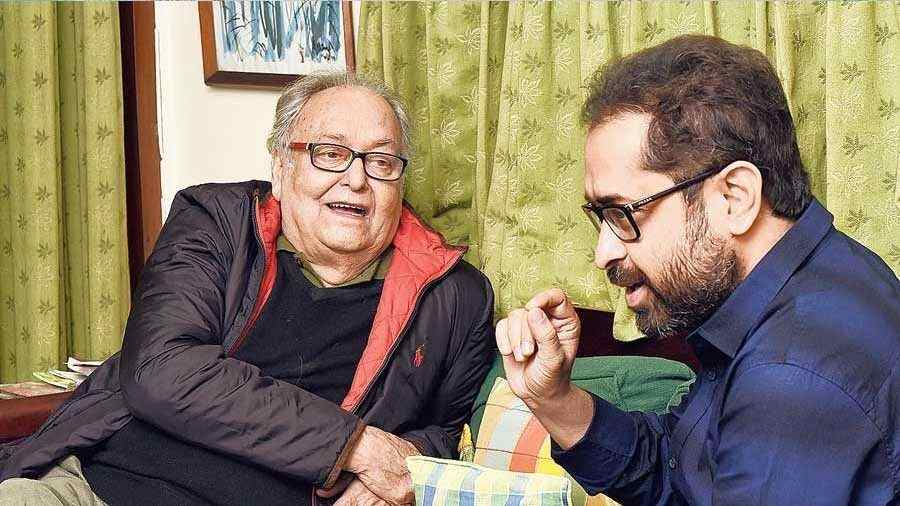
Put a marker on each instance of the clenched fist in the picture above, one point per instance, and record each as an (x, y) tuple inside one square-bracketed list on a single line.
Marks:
[(538, 344)]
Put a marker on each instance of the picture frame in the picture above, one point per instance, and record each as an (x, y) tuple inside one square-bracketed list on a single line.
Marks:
[(270, 44)]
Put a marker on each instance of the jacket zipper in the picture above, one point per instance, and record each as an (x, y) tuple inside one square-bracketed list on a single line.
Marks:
[(402, 333), (254, 315)]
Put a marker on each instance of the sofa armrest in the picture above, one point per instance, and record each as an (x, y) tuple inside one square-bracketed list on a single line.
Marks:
[(20, 417)]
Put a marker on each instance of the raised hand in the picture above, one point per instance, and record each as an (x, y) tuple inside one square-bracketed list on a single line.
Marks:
[(538, 344)]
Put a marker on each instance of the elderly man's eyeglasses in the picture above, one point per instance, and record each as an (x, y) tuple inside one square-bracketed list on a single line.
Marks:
[(338, 158), (620, 216)]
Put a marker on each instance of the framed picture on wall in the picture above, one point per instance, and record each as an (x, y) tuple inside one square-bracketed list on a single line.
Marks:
[(270, 44)]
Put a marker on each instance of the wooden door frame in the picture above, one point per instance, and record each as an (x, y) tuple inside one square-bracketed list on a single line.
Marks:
[(142, 180)]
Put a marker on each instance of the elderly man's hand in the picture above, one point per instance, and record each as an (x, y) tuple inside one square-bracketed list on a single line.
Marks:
[(379, 463), (357, 494)]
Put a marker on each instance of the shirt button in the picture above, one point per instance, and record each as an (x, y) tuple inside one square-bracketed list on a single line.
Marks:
[(711, 374), (672, 463)]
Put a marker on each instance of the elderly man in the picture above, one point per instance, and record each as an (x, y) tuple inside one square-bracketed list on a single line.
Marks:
[(694, 182), (313, 333)]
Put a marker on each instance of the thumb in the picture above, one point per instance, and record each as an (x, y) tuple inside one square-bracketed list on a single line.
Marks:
[(543, 331), (339, 486)]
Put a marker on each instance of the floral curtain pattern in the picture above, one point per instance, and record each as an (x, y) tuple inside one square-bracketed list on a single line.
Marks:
[(495, 91), (63, 257)]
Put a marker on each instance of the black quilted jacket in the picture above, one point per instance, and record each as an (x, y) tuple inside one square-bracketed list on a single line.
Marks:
[(201, 291)]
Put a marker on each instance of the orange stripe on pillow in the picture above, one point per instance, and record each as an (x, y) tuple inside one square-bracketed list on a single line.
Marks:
[(524, 458)]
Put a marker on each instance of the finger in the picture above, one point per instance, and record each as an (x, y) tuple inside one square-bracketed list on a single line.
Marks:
[(369, 501), (373, 500), (502, 336), (352, 494), (506, 346), (554, 302), (543, 330), (516, 323), (526, 341), (510, 365)]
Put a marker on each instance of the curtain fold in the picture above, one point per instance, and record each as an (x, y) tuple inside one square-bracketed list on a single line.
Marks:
[(63, 256), (495, 91)]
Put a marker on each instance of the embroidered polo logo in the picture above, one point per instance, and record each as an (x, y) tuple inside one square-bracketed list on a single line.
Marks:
[(419, 356)]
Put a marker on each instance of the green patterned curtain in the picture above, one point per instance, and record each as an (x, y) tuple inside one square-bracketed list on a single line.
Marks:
[(63, 257), (495, 91)]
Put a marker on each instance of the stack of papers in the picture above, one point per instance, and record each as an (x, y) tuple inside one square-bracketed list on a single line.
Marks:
[(85, 367), (78, 371)]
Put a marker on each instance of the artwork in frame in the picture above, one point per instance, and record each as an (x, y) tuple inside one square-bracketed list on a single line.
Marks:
[(269, 44)]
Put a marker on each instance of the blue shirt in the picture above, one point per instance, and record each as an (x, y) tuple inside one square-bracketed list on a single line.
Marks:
[(798, 401)]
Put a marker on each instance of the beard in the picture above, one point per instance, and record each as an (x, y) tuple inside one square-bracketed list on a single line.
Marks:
[(702, 272)]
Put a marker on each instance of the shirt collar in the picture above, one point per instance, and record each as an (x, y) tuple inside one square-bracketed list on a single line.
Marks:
[(375, 270), (741, 311)]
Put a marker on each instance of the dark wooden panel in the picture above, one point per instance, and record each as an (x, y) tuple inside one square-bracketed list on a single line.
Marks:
[(21, 417), (143, 189)]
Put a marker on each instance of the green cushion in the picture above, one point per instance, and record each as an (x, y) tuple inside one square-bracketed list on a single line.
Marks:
[(631, 383)]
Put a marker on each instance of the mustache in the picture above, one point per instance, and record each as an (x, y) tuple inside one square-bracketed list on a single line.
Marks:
[(620, 276)]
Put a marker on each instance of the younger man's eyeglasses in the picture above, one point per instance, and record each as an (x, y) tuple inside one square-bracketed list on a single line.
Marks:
[(620, 216)]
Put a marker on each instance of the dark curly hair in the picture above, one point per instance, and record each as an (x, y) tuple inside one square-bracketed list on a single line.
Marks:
[(711, 103)]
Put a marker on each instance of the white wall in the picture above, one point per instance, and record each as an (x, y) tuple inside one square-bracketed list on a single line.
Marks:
[(206, 133)]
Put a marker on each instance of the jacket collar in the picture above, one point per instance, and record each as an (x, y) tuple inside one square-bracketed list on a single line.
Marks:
[(742, 310), (424, 249)]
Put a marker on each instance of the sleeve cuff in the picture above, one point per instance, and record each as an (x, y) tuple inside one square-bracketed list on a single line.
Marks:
[(335, 472), (417, 442), (606, 447)]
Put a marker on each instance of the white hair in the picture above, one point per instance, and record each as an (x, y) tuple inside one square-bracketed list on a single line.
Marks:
[(298, 93)]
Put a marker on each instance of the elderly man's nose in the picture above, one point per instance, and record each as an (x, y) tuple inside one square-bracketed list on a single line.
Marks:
[(609, 248), (355, 176)]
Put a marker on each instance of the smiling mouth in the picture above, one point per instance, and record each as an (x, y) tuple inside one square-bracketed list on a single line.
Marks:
[(348, 209)]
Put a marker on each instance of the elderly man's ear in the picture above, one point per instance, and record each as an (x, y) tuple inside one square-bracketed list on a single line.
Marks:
[(738, 197), (280, 170)]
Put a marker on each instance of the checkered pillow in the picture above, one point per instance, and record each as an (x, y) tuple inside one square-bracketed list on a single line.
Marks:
[(440, 482)]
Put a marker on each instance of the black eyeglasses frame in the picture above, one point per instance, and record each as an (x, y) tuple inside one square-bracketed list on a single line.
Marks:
[(628, 209), (311, 146)]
